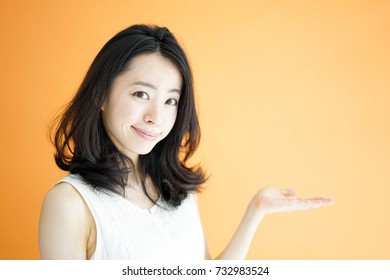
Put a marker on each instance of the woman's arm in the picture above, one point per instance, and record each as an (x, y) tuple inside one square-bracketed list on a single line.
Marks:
[(268, 200), (64, 225)]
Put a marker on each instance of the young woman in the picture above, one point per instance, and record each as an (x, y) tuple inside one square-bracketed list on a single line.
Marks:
[(125, 139)]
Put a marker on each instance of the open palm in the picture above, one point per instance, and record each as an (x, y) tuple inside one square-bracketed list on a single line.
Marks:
[(272, 200)]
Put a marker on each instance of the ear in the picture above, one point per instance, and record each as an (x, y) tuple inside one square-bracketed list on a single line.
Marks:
[(103, 106)]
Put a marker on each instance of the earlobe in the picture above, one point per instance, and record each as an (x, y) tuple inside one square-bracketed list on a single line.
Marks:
[(103, 106)]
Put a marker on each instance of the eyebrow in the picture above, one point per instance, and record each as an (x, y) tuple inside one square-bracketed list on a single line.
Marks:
[(141, 83)]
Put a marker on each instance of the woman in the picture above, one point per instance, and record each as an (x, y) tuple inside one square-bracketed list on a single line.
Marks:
[(125, 139)]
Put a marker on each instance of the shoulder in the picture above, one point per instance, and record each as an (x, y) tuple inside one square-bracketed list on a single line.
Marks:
[(63, 196), (192, 198), (65, 219)]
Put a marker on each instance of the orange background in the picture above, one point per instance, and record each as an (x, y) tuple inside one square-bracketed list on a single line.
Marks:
[(290, 94)]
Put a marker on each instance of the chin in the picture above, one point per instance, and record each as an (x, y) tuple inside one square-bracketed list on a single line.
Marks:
[(145, 151)]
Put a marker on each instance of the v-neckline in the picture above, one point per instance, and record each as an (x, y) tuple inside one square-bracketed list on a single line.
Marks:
[(150, 210)]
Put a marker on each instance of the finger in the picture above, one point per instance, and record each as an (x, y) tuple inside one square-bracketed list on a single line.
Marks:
[(323, 201), (327, 201), (314, 202)]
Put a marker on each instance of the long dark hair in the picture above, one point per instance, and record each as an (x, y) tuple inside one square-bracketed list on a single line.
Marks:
[(83, 146)]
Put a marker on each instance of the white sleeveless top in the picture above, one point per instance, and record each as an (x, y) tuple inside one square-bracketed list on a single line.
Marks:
[(125, 231)]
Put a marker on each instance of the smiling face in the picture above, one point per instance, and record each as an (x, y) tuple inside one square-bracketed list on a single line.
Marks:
[(141, 107)]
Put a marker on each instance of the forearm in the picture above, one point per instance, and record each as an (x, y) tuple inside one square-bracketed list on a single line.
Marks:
[(268, 200), (238, 246)]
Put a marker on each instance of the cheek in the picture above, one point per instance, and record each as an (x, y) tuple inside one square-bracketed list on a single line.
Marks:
[(128, 112), (172, 119), (169, 122)]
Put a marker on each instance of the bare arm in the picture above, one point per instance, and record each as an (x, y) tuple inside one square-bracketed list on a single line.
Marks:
[(266, 201), (64, 225)]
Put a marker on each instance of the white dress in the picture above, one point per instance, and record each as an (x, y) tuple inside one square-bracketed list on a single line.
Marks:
[(125, 231)]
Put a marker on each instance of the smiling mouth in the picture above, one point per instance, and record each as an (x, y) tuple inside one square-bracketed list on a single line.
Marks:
[(147, 135)]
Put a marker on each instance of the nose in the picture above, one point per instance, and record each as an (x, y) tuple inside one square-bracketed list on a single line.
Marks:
[(153, 114)]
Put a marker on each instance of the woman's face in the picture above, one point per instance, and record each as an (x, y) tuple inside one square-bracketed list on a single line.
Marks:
[(141, 107)]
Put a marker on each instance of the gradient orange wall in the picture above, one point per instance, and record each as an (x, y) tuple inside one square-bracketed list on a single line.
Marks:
[(290, 94)]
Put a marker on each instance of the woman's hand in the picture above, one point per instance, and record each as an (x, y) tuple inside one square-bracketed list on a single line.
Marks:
[(273, 200), (268, 200)]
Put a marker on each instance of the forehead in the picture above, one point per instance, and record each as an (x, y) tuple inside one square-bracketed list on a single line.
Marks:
[(153, 67)]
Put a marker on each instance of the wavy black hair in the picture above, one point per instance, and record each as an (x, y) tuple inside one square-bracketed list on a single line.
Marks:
[(82, 145)]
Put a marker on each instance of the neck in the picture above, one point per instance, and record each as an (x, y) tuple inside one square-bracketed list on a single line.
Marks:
[(135, 159)]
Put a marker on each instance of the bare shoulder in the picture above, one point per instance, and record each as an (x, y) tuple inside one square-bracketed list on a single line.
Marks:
[(65, 224), (64, 193), (64, 200)]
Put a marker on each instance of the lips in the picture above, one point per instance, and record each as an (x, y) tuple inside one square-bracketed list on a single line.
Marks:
[(145, 134)]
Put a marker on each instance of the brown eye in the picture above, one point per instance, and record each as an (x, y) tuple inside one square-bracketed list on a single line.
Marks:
[(171, 102), (141, 94)]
